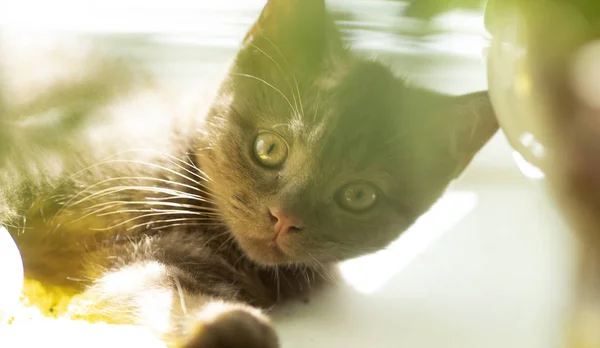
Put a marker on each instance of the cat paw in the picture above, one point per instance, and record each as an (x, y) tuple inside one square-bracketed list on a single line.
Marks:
[(233, 328)]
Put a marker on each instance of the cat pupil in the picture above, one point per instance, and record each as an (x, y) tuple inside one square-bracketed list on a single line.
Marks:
[(360, 194)]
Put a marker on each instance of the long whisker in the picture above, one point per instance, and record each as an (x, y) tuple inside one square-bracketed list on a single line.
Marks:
[(16, 227), (107, 160), (199, 174), (171, 221), (135, 162), (327, 274), (174, 183), (289, 67), (169, 170), (268, 84), (282, 73), (240, 258), (230, 240), (277, 282), (198, 209), (218, 235), (181, 296), (98, 212), (281, 125), (305, 273), (123, 211), (118, 189), (158, 213)]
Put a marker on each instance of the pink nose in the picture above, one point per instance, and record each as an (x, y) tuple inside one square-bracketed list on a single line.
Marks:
[(283, 223)]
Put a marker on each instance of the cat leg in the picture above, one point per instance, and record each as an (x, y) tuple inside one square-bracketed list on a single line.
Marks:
[(163, 299)]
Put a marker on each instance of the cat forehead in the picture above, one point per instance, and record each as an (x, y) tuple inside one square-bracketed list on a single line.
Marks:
[(360, 101), (347, 96), (355, 119)]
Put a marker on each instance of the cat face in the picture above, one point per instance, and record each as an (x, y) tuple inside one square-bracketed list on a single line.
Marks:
[(317, 155)]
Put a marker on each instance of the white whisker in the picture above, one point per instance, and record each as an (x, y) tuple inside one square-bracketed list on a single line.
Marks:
[(268, 84), (151, 223), (282, 73), (198, 212), (278, 282), (230, 239), (174, 183), (181, 296), (119, 189), (156, 213), (112, 204), (293, 75)]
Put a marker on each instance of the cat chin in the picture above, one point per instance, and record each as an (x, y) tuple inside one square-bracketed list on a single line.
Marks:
[(263, 252)]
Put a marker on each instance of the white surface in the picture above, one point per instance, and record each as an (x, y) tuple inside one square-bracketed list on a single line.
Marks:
[(11, 275)]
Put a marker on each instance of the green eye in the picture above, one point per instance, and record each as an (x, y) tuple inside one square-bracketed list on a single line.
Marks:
[(357, 197), (270, 150)]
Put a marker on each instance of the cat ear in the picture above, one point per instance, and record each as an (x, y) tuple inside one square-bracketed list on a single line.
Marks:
[(471, 124), (299, 25)]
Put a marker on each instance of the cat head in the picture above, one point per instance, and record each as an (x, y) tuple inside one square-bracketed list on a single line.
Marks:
[(317, 155)]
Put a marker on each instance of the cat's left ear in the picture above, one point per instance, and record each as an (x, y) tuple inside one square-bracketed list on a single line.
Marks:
[(471, 124), (295, 27)]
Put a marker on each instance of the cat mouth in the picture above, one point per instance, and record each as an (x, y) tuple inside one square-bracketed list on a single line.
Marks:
[(264, 251)]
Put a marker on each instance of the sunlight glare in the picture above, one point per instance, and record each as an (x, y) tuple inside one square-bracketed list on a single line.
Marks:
[(526, 168), (129, 16), (370, 273), (11, 273)]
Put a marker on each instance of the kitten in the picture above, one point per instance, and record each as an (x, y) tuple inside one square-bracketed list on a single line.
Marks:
[(192, 223)]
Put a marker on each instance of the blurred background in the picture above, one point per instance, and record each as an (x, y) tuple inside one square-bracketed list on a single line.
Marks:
[(489, 266)]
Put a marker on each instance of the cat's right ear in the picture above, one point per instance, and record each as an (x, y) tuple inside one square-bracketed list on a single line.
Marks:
[(469, 125), (298, 28)]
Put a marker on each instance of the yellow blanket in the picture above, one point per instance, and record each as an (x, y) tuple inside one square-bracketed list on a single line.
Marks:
[(39, 321)]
